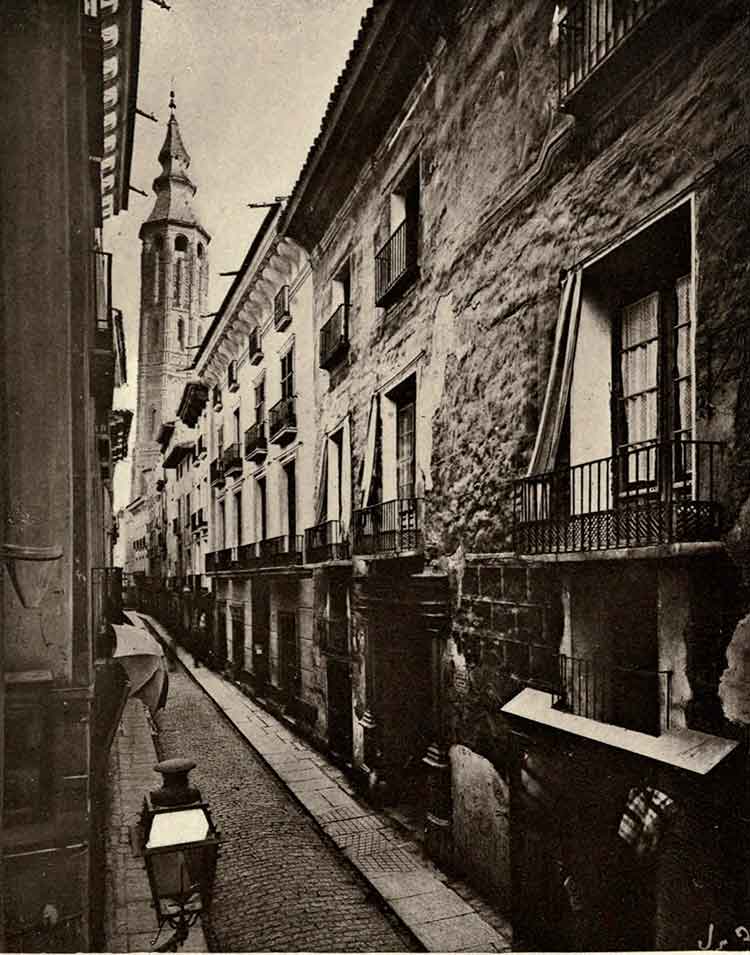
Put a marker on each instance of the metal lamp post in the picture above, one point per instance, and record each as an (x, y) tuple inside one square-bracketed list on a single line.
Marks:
[(180, 850)]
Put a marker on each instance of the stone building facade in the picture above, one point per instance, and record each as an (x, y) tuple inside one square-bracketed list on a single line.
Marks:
[(520, 329), (69, 77), (539, 236)]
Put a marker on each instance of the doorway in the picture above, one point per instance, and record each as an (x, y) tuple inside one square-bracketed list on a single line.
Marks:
[(261, 621)]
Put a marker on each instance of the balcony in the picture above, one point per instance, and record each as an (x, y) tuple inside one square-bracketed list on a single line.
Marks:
[(256, 445), (280, 551), (282, 421), (197, 521), (396, 264), (394, 527), (333, 636), (655, 494), (217, 473), (219, 560), (334, 338), (633, 698), (282, 316), (325, 542), (612, 32), (247, 557), (233, 382), (232, 460), (254, 350)]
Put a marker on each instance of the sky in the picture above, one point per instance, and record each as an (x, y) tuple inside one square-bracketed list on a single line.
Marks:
[(251, 79)]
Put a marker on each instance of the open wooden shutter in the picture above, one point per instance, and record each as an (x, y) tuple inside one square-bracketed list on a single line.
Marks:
[(369, 462), (561, 372)]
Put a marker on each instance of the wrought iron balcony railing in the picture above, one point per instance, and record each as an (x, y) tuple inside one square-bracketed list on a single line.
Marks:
[(653, 494), (280, 551), (396, 263), (333, 635), (225, 559), (635, 699), (326, 542), (391, 527), (217, 473), (256, 445), (334, 337), (282, 421), (232, 460), (590, 32), (254, 350), (248, 557)]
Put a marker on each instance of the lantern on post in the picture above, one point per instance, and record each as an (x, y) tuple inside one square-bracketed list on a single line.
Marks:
[(180, 850)]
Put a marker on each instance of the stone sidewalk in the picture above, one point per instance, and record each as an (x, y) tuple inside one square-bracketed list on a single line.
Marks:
[(130, 924), (394, 866)]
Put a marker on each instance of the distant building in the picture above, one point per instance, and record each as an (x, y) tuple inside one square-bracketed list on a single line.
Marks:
[(174, 290)]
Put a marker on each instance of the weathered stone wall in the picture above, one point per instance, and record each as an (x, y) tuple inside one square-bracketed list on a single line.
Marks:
[(513, 192)]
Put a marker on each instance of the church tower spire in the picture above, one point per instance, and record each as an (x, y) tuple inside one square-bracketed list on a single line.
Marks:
[(174, 290)]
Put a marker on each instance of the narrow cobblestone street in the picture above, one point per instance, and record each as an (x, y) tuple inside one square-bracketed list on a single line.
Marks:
[(279, 885)]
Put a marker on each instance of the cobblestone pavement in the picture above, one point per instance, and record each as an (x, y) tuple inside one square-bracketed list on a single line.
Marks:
[(280, 886), (130, 922)]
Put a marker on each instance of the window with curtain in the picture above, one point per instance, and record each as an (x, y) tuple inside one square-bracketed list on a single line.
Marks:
[(656, 386), (639, 351), (405, 459)]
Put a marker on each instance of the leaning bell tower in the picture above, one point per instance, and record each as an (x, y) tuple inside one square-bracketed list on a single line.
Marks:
[(174, 290)]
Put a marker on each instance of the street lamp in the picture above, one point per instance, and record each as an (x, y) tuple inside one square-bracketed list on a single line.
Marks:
[(180, 849)]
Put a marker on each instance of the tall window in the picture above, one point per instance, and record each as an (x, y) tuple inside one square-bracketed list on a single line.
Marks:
[(180, 292), (220, 440), (287, 374), (180, 333), (405, 447), (336, 448), (656, 389), (260, 401), (222, 525), (238, 518), (261, 515), (291, 501), (158, 265), (236, 419)]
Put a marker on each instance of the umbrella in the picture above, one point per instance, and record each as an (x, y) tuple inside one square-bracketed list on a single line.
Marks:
[(143, 660)]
